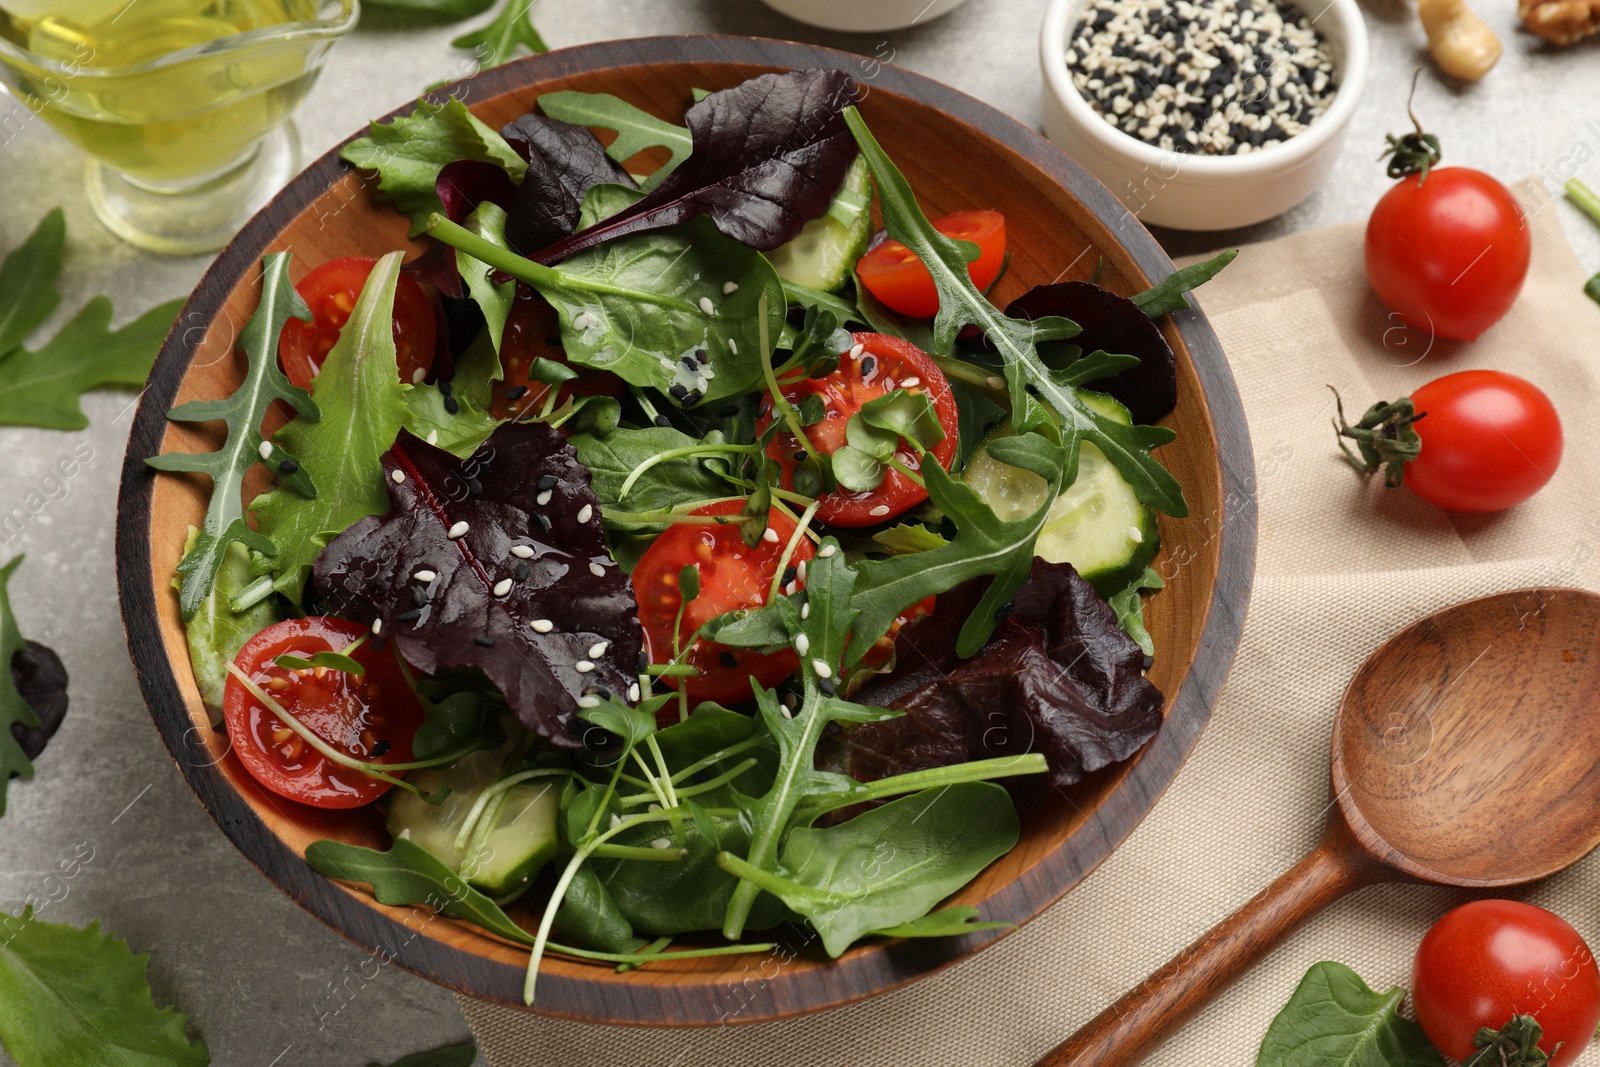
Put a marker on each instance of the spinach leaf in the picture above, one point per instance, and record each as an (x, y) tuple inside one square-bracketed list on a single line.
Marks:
[(564, 163), (216, 632), (1334, 1020), (768, 155), (462, 722), (590, 918), (407, 154), (364, 404), (644, 307), (960, 303), (636, 130), (449, 1056), (263, 383), (500, 41), (1168, 296), (488, 221), (23, 730), (28, 281), (1129, 606), (953, 921), (891, 865), (612, 458), (80, 997)]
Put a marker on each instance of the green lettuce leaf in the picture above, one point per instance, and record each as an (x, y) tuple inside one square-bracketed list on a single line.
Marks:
[(216, 632), (1334, 1020)]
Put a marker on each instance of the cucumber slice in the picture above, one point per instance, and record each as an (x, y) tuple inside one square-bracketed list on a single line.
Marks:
[(523, 840), (1097, 524), (825, 251)]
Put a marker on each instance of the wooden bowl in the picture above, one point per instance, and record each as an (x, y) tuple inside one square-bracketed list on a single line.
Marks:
[(957, 153)]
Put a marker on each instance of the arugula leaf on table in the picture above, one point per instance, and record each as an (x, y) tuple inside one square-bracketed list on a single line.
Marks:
[(243, 411), (612, 458), (1334, 1020), (28, 281), (1129, 606), (636, 129), (960, 304), (216, 632), (408, 154), (21, 730), (1167, 296), (953, 921), (80, 997), (363, 404), (891, 865), (500, 40), (449, 1056), (768, 155)]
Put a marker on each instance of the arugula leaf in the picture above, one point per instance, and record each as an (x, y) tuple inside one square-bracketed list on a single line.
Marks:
[(243, 411), (1334, 1020), (499, 41), (28, 281), (961, 304), (216, 632), (449, 1056), (636, 130), (953, 921), (1129, 606), (612, 458), (890, 865), (80, 997), (42, 388), (637, 306), (407, 154), (359, 392), (14, 710), (768, 155), (1168, 296)]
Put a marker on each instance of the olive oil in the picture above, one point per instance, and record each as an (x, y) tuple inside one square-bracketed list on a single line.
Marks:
[(114, 85)]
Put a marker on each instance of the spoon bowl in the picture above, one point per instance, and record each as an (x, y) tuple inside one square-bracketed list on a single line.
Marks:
[(1466, 752)]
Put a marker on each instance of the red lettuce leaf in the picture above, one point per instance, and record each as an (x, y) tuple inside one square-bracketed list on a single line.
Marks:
[(1058, 677), (466, 183), (41, 681), (768, 156), (1114, 324), (564, 162), (566, 577)]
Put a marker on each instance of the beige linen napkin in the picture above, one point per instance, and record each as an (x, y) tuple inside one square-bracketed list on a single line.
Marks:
[(1342, 565)]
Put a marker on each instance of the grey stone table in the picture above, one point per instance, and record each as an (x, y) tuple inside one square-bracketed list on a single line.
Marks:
[(263, 981)]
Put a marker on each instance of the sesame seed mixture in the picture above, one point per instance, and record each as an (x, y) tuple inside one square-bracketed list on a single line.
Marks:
[(1220, 78)]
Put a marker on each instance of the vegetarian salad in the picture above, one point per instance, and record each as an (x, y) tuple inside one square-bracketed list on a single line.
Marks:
[(674, 553)]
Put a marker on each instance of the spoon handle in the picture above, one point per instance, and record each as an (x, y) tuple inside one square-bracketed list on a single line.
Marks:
[(1150, 1012)]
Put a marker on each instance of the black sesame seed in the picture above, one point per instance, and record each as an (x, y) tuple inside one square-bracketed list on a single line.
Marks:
[(788, 575), (602, 692), (419, 596), (800, 455), (408, 616), (729, 411), (727, 659), (691, 398), (445, 387), (689, 363), (516, 392), (547, 482), (702, 356), (450, 405), (1003, 612), (642, 664), (486, 642), (662, 420), (677, 391), (867, 364), (288, 466), (521, 571), (1149, 661), (380, 748), (826, 686), (543, 520)]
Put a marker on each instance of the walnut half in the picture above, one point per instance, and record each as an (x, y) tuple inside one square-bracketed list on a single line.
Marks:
[(1561, 21)]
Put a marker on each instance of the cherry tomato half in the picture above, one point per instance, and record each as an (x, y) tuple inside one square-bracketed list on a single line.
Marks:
[(331, 291), (1491, 959), (732, 576), (893, 273), (885, 363), (371, 716), (1490, 440), (533, 332), (1448, 253)]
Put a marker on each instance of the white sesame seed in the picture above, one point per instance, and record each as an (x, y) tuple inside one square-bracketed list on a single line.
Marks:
[(616, 820), (522, 551), (729, 288), (433, 437), (787, 714), (733, 347), (398, 475), (418, 374), (707, 306), (1136, 534), (802, 644), (769, 535), (502, 587), (583, 666), (822, 668), (264, 450), (994, 382), (907, 383), (543, 498), (597, 570), (405, 834), (580, 321), (586, 513), (458, 531), (377, 627), (660, 842), (789, 590), (880, 511), (805, 610), (543, 626), (827, 550), (633, 691), (425, 576), (598, 649), (653, 807), (856, 351), (800, 570), (590, 701)]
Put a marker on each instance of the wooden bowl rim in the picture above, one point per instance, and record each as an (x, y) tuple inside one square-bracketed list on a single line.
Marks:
[(791, 992)]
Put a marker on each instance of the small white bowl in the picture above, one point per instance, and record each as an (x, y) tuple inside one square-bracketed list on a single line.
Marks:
[(1196, 192), (863, 16)]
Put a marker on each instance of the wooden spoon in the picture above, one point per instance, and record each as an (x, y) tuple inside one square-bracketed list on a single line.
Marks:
[(1466, 752)]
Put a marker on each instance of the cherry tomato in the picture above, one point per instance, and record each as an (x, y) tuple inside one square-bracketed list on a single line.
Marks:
[(1491, 959), (331, 291), (532, 332), (1490, 440), (893, 273), (371, 716), (732, 576), (1448, 254), (885, 363)]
